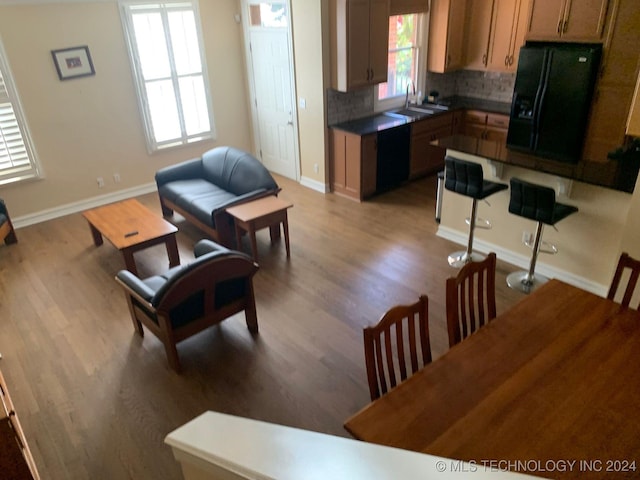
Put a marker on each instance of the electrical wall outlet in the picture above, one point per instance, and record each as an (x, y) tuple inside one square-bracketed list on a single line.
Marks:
[(316, 168), (116, 177), (527, 237), (100, 181)]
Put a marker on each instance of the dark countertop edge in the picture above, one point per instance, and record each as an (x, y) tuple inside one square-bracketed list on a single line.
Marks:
[(378, 121), (608, 174), (371, 124), (473, 103)]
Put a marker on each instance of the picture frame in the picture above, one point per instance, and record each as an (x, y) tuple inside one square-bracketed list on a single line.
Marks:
[(73, 62)]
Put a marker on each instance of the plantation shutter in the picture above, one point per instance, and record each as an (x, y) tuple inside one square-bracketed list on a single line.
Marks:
[(16, 161)]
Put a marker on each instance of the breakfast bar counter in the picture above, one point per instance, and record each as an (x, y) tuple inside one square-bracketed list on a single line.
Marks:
[(612, 173)]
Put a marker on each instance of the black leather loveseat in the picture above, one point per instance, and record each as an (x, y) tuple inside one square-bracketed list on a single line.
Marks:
[(203, 188)]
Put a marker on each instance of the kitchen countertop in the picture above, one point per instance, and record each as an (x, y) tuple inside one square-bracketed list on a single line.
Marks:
[(383, 121), (613, 174), (372, 124), (471, 103)]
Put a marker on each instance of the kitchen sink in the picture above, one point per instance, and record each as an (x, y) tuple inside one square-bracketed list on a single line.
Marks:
[(417, 111), (409, 113), (429, 108), (422, 110)]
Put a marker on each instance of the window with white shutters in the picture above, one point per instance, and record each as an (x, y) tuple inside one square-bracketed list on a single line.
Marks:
[(17, 157)]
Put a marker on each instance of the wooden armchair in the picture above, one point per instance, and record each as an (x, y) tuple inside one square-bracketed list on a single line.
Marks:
[(190, 298), (7, 233), (625, 262), (400, 340), (471, 298)]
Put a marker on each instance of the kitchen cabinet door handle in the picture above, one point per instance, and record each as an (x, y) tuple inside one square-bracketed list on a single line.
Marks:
[(506, 61), (559, 26), (484, 59), (565, 27)]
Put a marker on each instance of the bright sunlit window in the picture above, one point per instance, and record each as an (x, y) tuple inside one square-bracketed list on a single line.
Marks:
[(405, 56), (268, 14), (168, 62), (17, 156)]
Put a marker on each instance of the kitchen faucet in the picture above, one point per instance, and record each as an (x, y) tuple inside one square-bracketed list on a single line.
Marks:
[(406, 100)]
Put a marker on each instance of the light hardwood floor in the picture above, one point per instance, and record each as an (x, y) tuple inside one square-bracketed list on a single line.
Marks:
[(96, 400)]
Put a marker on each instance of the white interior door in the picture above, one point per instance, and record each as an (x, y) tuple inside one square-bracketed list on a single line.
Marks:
[(271, 79)]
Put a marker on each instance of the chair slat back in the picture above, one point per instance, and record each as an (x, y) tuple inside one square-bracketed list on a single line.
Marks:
[(625, 262), (397, 346), (471, 298)]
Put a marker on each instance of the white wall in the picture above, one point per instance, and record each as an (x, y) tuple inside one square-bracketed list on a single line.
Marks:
[(310, 19), (90, 127)]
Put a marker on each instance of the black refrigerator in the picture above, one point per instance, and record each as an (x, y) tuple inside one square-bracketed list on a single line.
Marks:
[(551, 99)]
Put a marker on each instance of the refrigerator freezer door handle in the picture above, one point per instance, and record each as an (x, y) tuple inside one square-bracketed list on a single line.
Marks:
[(540, 97), (537, 115)]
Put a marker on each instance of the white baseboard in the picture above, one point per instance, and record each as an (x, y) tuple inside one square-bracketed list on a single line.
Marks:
[(69, 208), (82, 205), (314, 185), (523, 261)]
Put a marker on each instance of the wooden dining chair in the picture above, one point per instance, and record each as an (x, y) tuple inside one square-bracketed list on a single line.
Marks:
[(471, 298), (625, 262), (397, 346)]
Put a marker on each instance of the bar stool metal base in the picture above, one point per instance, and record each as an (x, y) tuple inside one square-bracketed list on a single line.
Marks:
[(461, 258), (524, 282)]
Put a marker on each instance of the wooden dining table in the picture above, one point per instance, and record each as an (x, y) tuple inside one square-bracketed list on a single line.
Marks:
[(550, 388)]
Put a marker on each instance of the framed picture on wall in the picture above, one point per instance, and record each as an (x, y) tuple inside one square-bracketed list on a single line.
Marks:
[(73, 62)]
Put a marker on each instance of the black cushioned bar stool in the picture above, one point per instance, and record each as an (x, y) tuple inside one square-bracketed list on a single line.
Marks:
[(466, 178), (538, 203)]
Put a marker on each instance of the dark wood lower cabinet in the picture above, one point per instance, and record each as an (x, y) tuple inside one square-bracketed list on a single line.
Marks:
[(353, 164), (16, 461), (487, 126), (362, 166), (425, 157)]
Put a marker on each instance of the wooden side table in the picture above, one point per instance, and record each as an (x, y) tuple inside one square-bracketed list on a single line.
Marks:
[(262, 213)]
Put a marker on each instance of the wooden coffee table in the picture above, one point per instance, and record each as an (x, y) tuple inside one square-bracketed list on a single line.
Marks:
[(130, 226), (265, 212)]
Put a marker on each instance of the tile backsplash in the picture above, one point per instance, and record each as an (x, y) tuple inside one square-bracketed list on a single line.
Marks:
[(342, 107), (495, 86)]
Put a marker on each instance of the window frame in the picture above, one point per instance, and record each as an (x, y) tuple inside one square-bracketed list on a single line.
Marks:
[(144, 104), (420, 68), (33, 170)]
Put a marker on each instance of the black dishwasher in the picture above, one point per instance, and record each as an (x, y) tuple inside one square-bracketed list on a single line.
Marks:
[(393, 157)]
